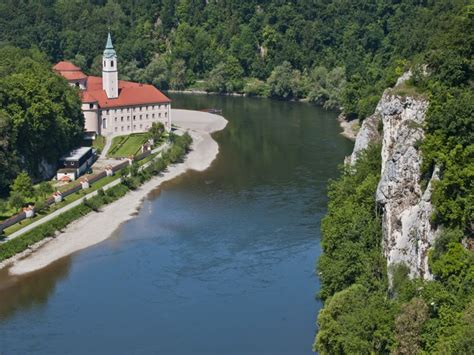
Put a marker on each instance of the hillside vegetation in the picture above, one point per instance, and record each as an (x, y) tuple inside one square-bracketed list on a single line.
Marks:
[(336, 53), (40, 115)]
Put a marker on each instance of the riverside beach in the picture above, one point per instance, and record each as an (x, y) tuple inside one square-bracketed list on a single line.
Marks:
[(96, 227)]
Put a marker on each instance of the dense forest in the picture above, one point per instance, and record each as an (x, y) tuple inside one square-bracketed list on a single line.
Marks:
[(336, 53)]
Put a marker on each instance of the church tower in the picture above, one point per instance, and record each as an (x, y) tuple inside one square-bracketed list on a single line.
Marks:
[(110, 70)]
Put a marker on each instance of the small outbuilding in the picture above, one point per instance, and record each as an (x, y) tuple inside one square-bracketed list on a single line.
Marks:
[(75, 163)]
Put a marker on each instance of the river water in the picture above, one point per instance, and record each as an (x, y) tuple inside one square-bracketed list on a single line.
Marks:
[(217, 262)]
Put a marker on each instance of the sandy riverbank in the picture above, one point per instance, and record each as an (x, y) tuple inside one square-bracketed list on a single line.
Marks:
[(96, 227)]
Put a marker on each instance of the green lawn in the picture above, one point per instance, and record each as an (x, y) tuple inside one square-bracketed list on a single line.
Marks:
[(124, 146), (99, 143)]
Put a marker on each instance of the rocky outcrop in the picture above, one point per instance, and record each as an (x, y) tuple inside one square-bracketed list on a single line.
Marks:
[(407, 231), (407, 209), (46, 170), (369, 132)]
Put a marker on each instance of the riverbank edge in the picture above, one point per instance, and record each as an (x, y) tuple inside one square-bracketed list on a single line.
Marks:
[(349, 128), (94, 228)]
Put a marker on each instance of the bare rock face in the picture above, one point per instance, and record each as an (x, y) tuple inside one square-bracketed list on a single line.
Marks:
[(368, 133), (407, 231), (46, 170)]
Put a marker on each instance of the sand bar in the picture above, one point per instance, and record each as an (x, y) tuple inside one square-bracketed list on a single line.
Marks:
[(96, 227)]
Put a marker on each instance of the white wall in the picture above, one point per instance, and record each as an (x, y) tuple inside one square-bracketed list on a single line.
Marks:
[(136, 119), (90, 111)]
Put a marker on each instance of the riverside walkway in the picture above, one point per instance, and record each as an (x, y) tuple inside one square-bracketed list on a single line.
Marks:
[(73, 204)]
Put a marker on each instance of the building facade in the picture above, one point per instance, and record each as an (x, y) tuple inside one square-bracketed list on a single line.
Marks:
[(116, 107)]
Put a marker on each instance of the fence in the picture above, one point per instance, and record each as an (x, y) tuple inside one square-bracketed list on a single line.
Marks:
[(22, 215)]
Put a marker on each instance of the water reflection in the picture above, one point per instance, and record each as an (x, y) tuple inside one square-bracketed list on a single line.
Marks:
[(31, 290)]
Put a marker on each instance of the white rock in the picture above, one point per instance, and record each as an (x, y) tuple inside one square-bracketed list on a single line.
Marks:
[(407, 231)]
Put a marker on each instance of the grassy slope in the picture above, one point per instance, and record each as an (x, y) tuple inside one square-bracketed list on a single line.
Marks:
[(124, 146)]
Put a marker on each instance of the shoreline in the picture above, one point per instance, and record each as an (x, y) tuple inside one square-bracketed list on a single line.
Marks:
[(349, 128), (98, 226)]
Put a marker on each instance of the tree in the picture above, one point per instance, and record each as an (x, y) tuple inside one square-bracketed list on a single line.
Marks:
[(408, 327), (3, 206), (45, 189), (178, 76), (355, 321), (156, 131), (157, 72), (284, 81), (16, 200), (226, 77), (23, 186)]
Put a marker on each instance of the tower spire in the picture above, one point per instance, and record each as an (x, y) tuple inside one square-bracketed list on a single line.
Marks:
[(109, 48), (110, 70), (109, 42)]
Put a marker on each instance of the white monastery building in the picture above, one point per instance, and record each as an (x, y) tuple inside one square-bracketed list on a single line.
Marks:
[(115, 107)]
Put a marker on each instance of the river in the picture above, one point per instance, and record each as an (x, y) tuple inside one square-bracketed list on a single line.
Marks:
[(217, 262)]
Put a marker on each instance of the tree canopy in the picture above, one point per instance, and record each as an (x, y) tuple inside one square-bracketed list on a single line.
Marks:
[(40, 115)]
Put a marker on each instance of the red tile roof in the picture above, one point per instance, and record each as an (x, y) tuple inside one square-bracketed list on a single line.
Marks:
[(87, 98), (73, 75), (130, 93), (66, 66)]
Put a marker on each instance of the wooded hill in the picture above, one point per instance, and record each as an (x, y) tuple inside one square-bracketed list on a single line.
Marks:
[(337, 53), (333, 52)]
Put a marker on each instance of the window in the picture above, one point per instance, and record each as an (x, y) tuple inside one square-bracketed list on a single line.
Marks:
[(134, 126), (121, 119), (104, 63), (166, 114), (141, 108), (128, 109), (112, 63), (115, 119), (140, 116), (122, 128), (107, 111), (116, 129), (91, 106), (159, 115), (104, 123), (152, 115), (134, 117), (128, 118), (128, 128), (147, 115), (141, 125)]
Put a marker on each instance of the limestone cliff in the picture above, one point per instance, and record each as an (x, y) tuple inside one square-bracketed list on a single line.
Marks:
[(407, 231)]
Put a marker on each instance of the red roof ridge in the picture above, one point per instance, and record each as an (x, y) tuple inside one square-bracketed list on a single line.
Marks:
[(130, 93), (65, 65)]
